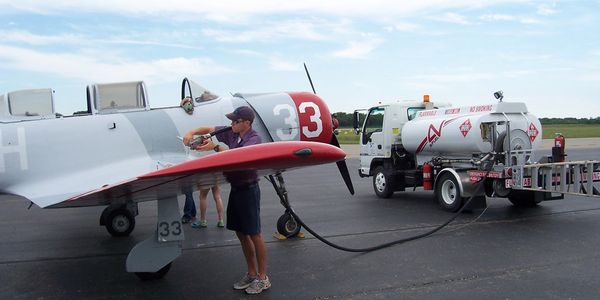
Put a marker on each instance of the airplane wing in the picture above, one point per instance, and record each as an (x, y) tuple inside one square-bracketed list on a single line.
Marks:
[(267, 158)]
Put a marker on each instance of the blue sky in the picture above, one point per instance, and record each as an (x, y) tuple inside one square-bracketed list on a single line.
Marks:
[(359, 53)]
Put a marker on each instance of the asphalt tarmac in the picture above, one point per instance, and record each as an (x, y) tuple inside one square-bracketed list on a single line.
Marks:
[(548, 252)]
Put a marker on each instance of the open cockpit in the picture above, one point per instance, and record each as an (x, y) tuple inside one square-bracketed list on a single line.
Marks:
[(101, 98)]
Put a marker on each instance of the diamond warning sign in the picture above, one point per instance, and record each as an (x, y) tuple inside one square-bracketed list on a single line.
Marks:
[(533, 132), (465, 127)]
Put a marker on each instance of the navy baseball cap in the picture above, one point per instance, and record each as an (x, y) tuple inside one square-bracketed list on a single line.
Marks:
[(242, 112)]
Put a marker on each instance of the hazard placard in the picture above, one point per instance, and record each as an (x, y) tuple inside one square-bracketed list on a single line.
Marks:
[(465, 127)]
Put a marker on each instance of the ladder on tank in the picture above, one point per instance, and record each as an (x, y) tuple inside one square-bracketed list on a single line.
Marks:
[(579, 178)]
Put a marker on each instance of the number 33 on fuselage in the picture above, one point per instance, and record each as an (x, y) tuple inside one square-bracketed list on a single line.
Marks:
[(296, 116)]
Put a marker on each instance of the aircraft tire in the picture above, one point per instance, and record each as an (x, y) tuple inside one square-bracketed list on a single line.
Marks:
[(120, 222), (288, 226), (145, 276)]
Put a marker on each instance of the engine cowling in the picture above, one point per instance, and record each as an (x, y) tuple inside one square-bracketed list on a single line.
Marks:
[(293, 116)]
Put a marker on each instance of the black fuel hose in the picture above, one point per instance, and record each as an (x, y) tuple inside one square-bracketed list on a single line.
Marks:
[(199, 140), (389, 244), (226, 128)]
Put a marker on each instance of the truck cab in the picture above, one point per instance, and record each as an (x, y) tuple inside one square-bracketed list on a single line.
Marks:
[(380, 133)]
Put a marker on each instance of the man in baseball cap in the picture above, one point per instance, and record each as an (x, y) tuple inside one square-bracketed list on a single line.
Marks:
[(243, 207), (241, 113)]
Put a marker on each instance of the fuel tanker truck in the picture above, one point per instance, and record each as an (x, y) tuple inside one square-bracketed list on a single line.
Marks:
[(467, 152)]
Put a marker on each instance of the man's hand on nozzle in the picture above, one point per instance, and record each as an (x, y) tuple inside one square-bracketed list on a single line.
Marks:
[(208, 146), (192, 142), (199, 141), (187, 138)]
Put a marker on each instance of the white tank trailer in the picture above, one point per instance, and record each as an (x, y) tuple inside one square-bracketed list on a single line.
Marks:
[(464, 133)]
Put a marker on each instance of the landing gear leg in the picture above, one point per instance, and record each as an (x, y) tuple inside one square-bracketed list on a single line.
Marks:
[(287, 226), (151, 259)]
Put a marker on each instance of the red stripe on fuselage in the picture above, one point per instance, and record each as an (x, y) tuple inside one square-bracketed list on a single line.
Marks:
[(313, 116)]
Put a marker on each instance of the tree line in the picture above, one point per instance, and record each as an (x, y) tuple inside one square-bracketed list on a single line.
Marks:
[(570, 120), (346, 120)]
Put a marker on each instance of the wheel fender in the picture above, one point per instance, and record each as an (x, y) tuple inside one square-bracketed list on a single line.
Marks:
[(467, 189), (384, 162), (374, 164), (361, 174), (456, 176)]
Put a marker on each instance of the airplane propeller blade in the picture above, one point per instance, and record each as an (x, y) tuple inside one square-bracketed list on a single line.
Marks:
[(342, 163), (343, 167), (309, 80)]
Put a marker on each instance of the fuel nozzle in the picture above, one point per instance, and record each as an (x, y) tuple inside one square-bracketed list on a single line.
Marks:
[(199, 141), (205, 138)]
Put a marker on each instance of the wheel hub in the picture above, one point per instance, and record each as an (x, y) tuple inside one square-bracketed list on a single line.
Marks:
[(120, 223), (291, 225), (380, 182), (449, 192)]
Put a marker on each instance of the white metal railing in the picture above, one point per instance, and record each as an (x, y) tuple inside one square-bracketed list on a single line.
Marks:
[(574, 177)]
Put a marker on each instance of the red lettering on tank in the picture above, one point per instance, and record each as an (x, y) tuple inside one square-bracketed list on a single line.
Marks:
[(427, 113), (481, 108), (452, 111)]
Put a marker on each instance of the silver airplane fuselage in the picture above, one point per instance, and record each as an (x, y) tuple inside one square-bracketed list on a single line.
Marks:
[(50, 160)]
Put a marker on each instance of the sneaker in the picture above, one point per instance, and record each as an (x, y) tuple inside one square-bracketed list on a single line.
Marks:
[(244, 282), (185, 219), (257, 286), (200, 224), (220, 224)]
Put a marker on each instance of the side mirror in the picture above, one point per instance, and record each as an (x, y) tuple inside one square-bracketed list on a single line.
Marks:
[(355, 120)]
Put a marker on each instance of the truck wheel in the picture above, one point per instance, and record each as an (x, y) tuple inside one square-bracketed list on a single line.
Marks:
[(382, 183), (523, 198), (447, 192)]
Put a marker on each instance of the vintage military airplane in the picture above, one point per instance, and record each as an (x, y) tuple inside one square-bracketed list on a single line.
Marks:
[(120, 152)]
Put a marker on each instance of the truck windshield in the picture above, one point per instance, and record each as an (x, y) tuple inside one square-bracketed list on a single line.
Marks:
[(374, 123)]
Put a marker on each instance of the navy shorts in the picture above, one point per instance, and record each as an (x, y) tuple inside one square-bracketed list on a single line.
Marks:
[(243, 209)]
